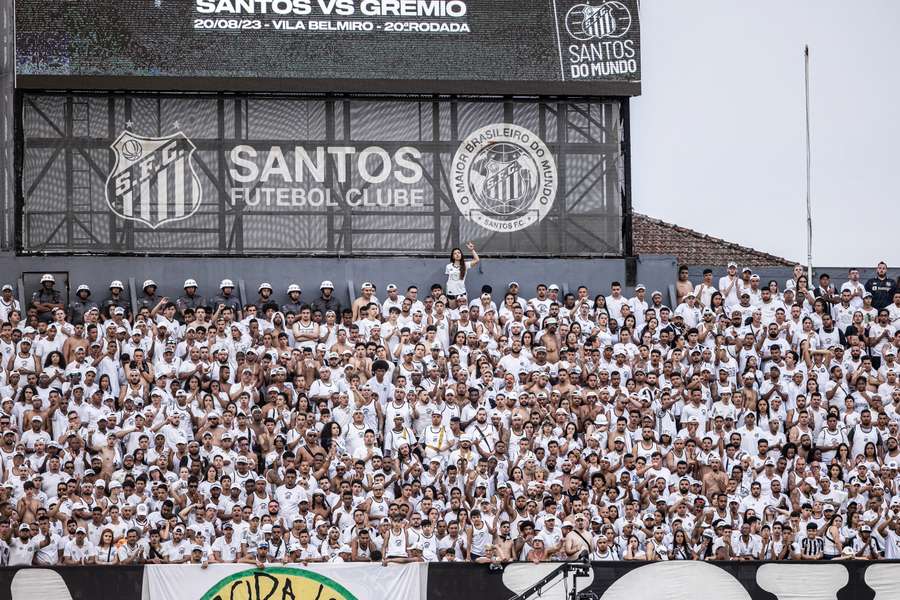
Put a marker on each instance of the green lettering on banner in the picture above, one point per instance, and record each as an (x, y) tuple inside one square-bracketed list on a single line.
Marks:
[(278, 583)]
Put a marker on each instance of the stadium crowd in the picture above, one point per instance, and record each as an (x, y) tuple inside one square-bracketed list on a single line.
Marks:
[(748, 420)]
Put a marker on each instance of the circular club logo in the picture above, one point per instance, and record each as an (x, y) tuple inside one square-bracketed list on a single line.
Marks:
[(504, 178), (278, 582), (608, 20)]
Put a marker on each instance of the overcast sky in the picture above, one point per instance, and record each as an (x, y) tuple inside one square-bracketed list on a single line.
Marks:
[(718, 134)]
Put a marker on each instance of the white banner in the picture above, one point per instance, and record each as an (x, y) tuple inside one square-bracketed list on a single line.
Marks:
[(289, 582)]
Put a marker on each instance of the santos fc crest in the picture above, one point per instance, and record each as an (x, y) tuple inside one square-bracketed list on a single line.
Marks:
[(609, 20), (504, 178), (153, 181)]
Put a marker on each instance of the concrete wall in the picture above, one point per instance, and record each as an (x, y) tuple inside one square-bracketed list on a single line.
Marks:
[(655, 272)]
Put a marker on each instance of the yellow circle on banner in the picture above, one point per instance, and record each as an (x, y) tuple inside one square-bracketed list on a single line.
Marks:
[(278, 583)]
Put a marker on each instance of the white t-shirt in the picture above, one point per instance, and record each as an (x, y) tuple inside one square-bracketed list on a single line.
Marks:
[(856, 301), (891, 545), (21, 553), (733, 296), (704, 293), (106, 556), (48, 555), (78, 553), (455, 284), (550, 538), (228, 551), (176, 552)]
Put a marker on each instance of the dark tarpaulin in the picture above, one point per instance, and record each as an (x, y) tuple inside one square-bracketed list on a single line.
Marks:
[(82, 583)]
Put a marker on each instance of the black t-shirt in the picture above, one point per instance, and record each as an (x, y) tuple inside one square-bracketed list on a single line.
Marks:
[(882, 291)]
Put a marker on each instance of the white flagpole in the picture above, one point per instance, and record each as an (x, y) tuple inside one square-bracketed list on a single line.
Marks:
[(808, 176)]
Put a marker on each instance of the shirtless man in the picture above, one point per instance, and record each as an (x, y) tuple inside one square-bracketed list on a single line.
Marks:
[(683, 286), (35, 412), (28, 504), (213, 426), (715, 480), (361, 362), (550, 339), (341, 344), (109, 455), (564, 386), (76, 340), (367, 297), (311, 447), (504, 542), (579, 540), (266, 439), (801, 428)]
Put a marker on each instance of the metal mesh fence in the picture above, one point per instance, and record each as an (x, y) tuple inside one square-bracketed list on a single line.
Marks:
[(302, 175), (7, 117)]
